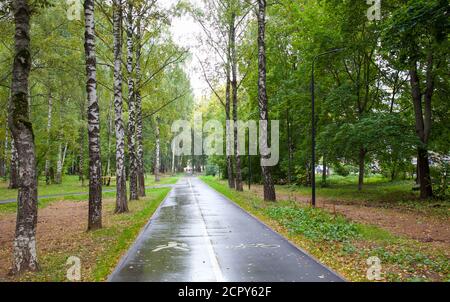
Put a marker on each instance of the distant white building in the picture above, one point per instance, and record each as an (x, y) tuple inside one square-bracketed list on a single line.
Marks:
[(319, 170)]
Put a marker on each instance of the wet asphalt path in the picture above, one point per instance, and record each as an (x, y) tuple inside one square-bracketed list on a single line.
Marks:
[(199, 235)]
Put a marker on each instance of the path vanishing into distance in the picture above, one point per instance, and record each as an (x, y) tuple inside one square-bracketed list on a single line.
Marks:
[(199, 235)]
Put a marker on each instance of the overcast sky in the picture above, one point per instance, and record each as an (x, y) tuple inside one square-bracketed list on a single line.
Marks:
[(185, 32)]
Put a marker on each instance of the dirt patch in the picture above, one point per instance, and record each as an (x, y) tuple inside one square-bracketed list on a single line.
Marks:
[(59, 226), (400, 222)]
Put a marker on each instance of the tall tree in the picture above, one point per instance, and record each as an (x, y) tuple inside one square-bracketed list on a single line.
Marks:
[(139, 125), (420, 47), (95, 163), (269, 188), (49, 128), (24, 249), (121, 180), (131, 106), (234, 89), (158, 150)]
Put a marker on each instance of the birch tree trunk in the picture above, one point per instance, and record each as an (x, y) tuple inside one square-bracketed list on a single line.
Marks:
[(110, 122), (60, 163), (173, 158), (14, 167), (82, 144), (5, 153), (121, 178), (49, 127), (157, 150), (131, 107), (95, 164), (290, 145), (229, 143), (139, 134), (24, 247), (269, 188), (238, 181)]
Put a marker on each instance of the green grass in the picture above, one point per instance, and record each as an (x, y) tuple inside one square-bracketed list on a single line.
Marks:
[(342, 244), (100, 250), (70, 185), (377, 191)]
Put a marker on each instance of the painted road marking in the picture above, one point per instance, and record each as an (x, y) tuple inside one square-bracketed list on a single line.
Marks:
[(255, 245), (172, 245), (212, 256)]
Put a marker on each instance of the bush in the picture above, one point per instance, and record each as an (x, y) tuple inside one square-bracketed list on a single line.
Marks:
[(342, 170), (211, 170)]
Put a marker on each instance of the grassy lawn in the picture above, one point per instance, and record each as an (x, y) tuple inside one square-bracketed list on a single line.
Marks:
[(70, 185), (342, 244), (377, 191), (99, 251)]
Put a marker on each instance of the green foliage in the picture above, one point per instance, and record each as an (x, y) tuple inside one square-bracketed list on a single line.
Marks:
[(211, 170), (314, 223)]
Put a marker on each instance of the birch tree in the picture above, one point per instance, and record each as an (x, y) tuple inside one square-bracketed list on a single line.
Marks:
[(121, 188), (139, 126), (24, 247), (49, 128), (157, 150), (95, 164), (131, 107), (269, 188)]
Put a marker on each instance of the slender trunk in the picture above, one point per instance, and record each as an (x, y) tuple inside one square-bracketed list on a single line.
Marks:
[(121, 178), (2, 165), (362, 164), (157, 151), (5, 154), (229, 143), (131, 107), (14, 167), (269, 188), (173, 160), (49, 127), (95, 164), (24, 248), (109, 132), (239, 186), (139, 127), (82, 146), (288, 123), (59, 165)]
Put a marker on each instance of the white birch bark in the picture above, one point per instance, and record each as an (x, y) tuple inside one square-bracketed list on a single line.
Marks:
[(24, 247), (121, 188), (131, 107), (49, 128), (95, 165)]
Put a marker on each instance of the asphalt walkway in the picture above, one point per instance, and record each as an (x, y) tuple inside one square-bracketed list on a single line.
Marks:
[(199, 235)]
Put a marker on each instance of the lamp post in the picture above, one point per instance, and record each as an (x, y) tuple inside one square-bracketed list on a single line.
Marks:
[(313, 125)]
